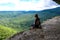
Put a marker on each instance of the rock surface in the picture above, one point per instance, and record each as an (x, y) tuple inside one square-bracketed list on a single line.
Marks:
[(50, 31), (57, 1)]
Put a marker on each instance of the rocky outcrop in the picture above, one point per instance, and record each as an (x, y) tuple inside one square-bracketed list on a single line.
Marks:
[(50, 31), (57, 1)]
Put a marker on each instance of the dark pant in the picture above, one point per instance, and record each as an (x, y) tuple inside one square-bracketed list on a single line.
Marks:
[(36, 26)]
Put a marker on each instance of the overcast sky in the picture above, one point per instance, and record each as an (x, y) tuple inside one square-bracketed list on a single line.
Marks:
[(26, 5)]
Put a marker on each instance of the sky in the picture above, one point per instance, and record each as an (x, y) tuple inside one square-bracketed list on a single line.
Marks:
[(26, 5)]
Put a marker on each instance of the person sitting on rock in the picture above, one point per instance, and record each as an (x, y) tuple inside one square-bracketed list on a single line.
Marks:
[(37, 23)]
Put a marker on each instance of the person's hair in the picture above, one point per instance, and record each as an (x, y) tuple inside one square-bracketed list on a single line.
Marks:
[(36, 15)]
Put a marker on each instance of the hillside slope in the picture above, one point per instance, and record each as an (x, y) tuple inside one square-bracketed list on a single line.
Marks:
[(50, 31)]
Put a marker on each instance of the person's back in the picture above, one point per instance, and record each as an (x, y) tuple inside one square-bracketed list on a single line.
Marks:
[(37, 22)]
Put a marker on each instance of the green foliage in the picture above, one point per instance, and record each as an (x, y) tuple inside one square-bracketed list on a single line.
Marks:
[(6, 32), (19, 22)]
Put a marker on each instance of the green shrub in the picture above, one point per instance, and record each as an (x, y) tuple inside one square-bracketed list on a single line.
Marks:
[(6, 32)]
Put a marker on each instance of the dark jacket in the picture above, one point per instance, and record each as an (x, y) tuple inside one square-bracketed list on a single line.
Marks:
[(37, 22)]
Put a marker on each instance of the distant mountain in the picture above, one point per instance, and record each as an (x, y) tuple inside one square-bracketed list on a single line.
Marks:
[(49, 10), (55, 10)]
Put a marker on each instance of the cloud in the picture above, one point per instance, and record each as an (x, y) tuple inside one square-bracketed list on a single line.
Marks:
[(27, 4), (7, 4), (4, 1)]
